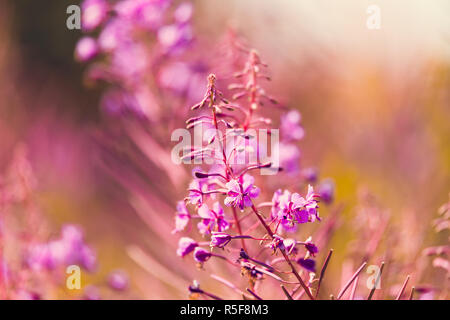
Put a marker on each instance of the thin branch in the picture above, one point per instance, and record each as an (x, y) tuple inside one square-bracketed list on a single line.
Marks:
[(286, 293), (355, 284), (341, 293), (412, 293), (254, 294), (403, 288), (322, 272)]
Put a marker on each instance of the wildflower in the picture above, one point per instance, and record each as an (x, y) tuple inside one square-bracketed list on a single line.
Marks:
[(311, 247), (294, 208), (94, 12), (310, 174), (185, 246), (197, 190), (290, 245), (241, 191), (183, 12), (201, 255), (174, 37), (212, 219), (326, 191), (290, 126), (289, 157), (305, 209), (86, 49), (118, 280), (277, 243), (182, 217), (308, 264), (220, 239)]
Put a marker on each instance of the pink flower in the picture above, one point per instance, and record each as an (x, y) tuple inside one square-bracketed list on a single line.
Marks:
[(311, 247), (220, 239), (290, 126), (185, 246), (201, 255), (326, 190), (305, 209), (277, 243), (290, 245), (241, 191), (290, 208), (197, 187), (118, 280), (86, 49), (94, 12), (183, 12), (308, 264), (182, 217), (212, 219)]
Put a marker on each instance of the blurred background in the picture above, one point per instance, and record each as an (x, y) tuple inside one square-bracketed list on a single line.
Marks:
[(375, 106)]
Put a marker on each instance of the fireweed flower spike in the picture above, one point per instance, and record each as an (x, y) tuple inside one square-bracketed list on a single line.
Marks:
[(232, 184)]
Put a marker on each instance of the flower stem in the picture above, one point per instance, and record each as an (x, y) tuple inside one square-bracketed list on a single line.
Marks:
[(238, 226), (294, 271)]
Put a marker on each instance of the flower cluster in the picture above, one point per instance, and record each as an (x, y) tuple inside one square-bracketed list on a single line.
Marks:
[(136, 39), (33, 262), (231, 181)]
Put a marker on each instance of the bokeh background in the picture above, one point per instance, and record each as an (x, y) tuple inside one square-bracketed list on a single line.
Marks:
[(375, 107)]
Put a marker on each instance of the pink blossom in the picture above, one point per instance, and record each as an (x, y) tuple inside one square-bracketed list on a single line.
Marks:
[(86, 49), (241, 191), (185, 246), (201, 255), (182, 217), (212, 219)]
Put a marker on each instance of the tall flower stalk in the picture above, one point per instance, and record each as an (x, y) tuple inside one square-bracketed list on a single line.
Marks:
[(229, 181)]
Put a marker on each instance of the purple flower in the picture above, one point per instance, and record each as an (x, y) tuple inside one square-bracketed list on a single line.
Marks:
[(290, 126), (146, 13), (117, 32), (185, 246), (289, 157), (86, 49), (174, 37), (308, 264), (241, 191), (201, 255), (197, 187), (326, 190), (182, 217), (212, 219), (290, 208), (183, 12), (70, 248), (290, 245), (311, 247), (94, 13), (305, 209), (220, 239), (277, 243), (310, 174), (118, 280)]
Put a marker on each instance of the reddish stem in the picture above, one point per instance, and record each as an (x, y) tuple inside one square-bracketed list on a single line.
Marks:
[(294, 271)]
